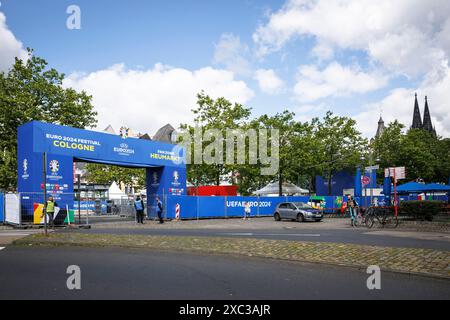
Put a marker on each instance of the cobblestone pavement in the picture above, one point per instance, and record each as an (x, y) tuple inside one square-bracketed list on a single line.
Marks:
[(408, 260)]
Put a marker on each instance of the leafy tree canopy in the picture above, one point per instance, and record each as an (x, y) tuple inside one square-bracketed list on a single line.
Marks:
[(31, 90)]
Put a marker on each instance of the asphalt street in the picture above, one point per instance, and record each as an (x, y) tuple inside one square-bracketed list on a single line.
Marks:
[(106, 273), (354, 236)]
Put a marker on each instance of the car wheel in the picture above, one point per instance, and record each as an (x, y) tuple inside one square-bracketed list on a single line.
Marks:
[(300, 218), (277, 216)]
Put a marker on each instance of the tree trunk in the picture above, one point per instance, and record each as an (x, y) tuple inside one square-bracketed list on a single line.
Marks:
[(280, 183), (312, 185), (218, 176), (330, 175)]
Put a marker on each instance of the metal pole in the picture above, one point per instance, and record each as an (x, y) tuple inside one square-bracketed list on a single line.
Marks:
[(44, 180), (87, 208), (395, 193), (370, 173), (79, 197)]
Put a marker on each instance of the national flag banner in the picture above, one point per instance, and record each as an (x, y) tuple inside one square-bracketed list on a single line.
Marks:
[(70, 218), (59, 217)]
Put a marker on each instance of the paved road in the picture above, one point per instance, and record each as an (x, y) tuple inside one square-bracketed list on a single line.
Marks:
[(34, 273), (355, 236)]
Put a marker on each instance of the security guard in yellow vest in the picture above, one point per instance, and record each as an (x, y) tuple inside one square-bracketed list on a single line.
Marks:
[(50, 209)]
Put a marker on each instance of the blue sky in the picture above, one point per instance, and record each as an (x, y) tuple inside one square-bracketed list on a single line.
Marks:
[(140, 33), (269, 55)]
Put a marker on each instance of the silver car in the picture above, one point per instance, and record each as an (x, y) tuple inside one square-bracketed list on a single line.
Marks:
[(297, 211)]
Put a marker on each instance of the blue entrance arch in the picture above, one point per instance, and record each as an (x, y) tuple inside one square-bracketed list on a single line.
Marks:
[(164, 163)]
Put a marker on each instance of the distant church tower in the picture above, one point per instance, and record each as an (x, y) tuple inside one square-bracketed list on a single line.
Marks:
[(426, 124), (380, 128), (417, 121)]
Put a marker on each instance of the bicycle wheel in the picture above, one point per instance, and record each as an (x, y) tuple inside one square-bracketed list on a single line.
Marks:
[(359, 220), (370, 218), (391, 221)]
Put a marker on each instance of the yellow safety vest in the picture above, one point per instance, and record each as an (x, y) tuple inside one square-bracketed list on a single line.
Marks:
[(50, 206)]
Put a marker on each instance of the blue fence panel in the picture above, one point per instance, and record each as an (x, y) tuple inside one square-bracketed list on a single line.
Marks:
[(2, 207), (193, 207), (265, 205), (89, 205), (209, 207), (187, 205)]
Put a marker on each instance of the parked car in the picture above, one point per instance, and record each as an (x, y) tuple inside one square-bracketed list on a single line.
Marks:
[(297, 211)]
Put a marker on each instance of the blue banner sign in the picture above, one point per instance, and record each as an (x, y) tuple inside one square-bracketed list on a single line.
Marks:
[(164, 162)]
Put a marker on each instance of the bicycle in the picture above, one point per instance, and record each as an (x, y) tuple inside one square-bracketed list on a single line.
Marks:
[(383, 216), (360, 217)]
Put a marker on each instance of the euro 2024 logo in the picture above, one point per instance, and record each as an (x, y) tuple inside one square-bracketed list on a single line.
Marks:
[(25, 166), (25, 169), (176, 176), (54, 166)]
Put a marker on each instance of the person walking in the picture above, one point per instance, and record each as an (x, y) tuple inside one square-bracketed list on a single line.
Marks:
[(352, 206), (159, 209), (49, 209), (247, 210), (139, 206)]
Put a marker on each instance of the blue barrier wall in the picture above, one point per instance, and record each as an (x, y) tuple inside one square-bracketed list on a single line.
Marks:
[(2, 207), (193, 207)]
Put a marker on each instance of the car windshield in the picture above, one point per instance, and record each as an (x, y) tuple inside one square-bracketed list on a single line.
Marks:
[(302, 205)]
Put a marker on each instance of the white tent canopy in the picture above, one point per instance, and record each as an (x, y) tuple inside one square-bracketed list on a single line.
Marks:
[(115, 193), (287, 189)]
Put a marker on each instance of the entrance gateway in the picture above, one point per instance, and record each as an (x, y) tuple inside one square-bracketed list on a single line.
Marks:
[(164, 163)]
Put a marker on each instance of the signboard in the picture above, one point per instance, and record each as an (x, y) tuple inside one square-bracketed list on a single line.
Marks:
[(365, 180), (370, 169), (398, 172), (12, 208)]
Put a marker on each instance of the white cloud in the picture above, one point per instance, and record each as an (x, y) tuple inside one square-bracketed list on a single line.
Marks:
[(232, 53), (335, 80), (323, 51), (406, 36), (399, 103), (268, 81), (145, 100), (10, 47)]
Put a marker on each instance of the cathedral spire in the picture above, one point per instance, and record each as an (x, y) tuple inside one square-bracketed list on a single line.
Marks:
[(417, 121), (427, 124), (380, 128)]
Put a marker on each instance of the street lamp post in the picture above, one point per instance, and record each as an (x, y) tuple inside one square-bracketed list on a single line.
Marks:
[(371, 168)]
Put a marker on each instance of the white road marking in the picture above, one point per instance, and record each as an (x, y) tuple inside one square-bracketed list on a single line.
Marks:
[(273, 234), (13, 234), (1, 248), (293, 234)]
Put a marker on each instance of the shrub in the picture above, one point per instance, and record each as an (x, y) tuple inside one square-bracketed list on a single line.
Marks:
[(421, 210)]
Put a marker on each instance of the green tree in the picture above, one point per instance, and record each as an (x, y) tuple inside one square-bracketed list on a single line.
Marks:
[(417, 154), (288, 130), (424, 155), (386, 147), (340, 145), (32, 91), (219, 114)]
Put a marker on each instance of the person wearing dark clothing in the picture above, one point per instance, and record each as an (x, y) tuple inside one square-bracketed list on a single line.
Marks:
[(139, 206), (159, 209), (353, 206)]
